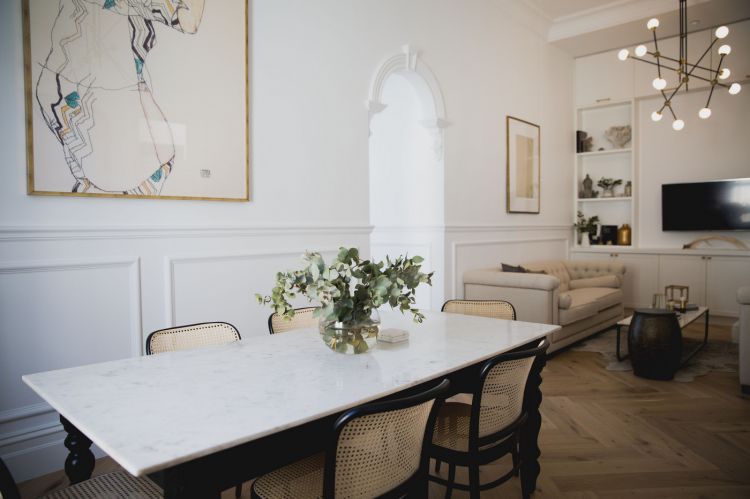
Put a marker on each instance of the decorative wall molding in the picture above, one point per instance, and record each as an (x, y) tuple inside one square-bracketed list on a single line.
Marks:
[(506, 228), (408, 61), (171, 263), (25, 412), (456, 245), (13, 234)]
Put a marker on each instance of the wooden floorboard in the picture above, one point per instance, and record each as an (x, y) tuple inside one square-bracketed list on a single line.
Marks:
[(612, 435)]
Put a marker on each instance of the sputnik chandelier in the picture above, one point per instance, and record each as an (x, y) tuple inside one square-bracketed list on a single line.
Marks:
[(685, 70)]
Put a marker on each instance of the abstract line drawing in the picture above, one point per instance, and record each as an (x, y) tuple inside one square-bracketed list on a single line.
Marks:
[(95, 88)]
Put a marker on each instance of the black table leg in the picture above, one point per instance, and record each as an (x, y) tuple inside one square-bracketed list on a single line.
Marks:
[(619, 356), (701, 346), (530, 433), (80, 461)]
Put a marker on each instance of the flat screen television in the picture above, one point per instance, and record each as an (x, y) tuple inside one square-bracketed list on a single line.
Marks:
[(719, 205)]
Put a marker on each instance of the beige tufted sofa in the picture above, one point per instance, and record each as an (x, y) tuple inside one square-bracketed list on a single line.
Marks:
[(582, 296)]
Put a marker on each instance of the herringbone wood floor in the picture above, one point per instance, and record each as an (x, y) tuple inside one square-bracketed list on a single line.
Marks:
[(611, 435)]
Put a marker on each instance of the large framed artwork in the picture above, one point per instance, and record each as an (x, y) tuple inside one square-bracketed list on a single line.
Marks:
[(523, 165), (137, 98)]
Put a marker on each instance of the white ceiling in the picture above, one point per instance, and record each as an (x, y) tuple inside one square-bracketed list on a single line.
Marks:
[(583, 27)]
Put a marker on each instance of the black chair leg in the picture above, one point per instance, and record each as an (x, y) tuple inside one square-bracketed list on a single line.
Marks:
[(438, 462), (474, 481), (451, 480)]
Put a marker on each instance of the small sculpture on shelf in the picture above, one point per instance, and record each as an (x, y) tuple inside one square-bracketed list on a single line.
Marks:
[(588, 184), (584, 143), (608, 185), (628, 189), (619, 136)]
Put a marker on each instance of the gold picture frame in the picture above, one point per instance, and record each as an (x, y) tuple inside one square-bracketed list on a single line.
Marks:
[(69, 123), (523, 166)]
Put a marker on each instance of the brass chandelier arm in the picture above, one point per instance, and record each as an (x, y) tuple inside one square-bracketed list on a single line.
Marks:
[(676, 70)]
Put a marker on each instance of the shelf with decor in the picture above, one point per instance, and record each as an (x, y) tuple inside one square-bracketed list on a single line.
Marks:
[(605, 174)]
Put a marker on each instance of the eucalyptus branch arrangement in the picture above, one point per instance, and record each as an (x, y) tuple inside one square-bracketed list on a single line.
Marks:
[(586, 225), (608, 184), (349, 289)]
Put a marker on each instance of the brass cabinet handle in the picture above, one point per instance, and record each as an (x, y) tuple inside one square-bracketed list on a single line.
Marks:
[(604, 99)]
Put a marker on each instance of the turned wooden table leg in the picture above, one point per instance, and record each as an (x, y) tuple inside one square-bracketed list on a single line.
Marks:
[(530, 433), (80, 461)]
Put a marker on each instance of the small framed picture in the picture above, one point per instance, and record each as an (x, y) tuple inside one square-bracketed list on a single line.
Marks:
[(523, 166)]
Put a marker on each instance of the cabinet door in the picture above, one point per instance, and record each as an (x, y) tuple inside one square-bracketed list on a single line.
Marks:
[(641, 279), (684, 270), (602, 78), (724, 275)]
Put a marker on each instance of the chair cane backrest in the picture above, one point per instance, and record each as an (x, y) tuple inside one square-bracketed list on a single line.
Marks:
[(501, 390), (495, 309), (303, 318), (382, 446), (191, 336)]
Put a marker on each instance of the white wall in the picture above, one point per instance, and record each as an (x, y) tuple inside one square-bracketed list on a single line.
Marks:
[(712, 149), (84, 280)]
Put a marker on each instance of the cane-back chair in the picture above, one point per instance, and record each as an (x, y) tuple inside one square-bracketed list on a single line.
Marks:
[(114, 484), (303, 318), (377, 450), (495, 309), (191, 336), (490, 428)]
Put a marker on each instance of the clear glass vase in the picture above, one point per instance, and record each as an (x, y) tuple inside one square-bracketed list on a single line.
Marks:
[(351, 338)]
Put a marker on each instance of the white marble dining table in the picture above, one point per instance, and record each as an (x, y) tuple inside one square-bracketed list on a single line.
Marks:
[(160, 413)]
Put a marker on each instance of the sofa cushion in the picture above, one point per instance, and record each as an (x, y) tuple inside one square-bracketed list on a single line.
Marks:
[(552, 267), (603, 281), (601, 298), (578, 313)]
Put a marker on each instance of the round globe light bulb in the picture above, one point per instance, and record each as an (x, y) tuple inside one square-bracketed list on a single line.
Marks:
[(735, 88), (641, 50), (678, 125), (704, 113), (721, 32), (724, 74), (623, 54), (652, 23), (656, 116), (725, 50), (659, 83)]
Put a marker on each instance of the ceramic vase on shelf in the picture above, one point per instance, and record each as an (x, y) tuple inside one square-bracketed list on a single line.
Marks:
[(353, 338), (585, 241)]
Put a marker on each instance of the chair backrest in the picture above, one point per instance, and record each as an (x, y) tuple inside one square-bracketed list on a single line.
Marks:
[(191, 336), (498, 400), (381, 449), (496, 309), (8, 489), (303, 318)]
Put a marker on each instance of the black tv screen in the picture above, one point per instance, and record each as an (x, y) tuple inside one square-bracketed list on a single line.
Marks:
[(720, 205)]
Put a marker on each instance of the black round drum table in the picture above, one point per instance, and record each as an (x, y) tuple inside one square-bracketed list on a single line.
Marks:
[(655, 343)]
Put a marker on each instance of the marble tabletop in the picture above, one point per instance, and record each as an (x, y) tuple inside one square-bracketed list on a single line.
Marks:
[(153, 412)]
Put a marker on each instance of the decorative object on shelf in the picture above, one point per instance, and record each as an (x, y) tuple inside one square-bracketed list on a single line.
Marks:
[(685, 70), (624, 235), (677, 296), (122, 94), (658, 301), (348, 317), (619, 136), (628, 189), (588, 144), (588, 187), (586, 227), (580, 137), (523, 176), (609, 234), (707, 240), (608, 185)]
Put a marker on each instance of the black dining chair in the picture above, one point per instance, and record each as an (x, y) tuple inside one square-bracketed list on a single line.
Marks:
[(303, 318), (488, 429), (114, 484), (495, 309), (376, 450)]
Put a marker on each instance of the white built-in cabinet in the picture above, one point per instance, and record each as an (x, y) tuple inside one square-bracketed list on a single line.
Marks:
[(713, 278), (602, 79)]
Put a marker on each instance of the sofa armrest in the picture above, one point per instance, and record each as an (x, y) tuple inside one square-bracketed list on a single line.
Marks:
[(494, 277), (743, 295)]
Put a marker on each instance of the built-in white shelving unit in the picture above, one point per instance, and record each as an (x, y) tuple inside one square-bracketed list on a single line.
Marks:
[(606, 161)]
